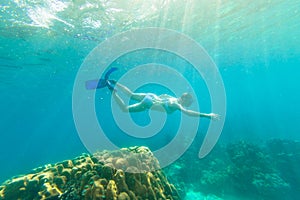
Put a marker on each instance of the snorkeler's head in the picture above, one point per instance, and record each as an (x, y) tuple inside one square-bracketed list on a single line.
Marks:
[(186, 99)]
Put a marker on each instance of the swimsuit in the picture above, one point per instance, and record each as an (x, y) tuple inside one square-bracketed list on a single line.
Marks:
[(166, 106), (148, 100)]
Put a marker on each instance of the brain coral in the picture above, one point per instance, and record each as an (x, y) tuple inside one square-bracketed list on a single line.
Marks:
[(127, 174)]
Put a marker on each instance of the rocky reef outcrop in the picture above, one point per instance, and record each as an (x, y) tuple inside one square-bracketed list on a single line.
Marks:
[(245, 169), (126, 174)]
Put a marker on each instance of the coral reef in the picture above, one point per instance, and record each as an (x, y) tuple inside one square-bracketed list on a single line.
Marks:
[(127, 174), (286, 155), (252, 171), (270, 184)]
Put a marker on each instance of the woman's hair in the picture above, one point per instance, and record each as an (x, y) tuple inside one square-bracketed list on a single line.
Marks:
[(186, 99)]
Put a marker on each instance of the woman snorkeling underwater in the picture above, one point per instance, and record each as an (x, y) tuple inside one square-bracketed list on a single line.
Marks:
[(146, 101), (149, 100)]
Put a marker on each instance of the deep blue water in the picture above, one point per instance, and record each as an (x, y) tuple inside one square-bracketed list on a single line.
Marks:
[(255, 47)]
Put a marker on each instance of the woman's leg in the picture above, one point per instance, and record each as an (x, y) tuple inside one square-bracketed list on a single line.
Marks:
[(132, 95), (138, 107)]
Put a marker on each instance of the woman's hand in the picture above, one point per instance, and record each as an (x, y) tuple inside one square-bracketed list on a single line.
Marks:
[(214, 116)]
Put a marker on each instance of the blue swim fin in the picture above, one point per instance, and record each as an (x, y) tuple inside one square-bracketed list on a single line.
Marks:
[(94, 84), (111, 70), (101, 83)]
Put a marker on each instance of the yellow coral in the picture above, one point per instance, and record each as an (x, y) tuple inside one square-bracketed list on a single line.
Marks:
[(111, 191)]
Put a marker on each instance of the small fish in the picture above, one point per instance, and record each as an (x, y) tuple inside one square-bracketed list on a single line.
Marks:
[(44, 59), (11, 66), (6, 58), (33, 64)]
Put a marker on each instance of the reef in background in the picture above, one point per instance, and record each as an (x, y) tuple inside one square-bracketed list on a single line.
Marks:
[(127, 174), (243, 170)]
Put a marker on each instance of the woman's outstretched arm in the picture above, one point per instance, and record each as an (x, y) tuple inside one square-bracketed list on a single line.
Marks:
[(193, 113)]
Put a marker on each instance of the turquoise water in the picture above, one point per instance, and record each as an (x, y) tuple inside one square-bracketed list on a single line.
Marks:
[(255, 45)]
